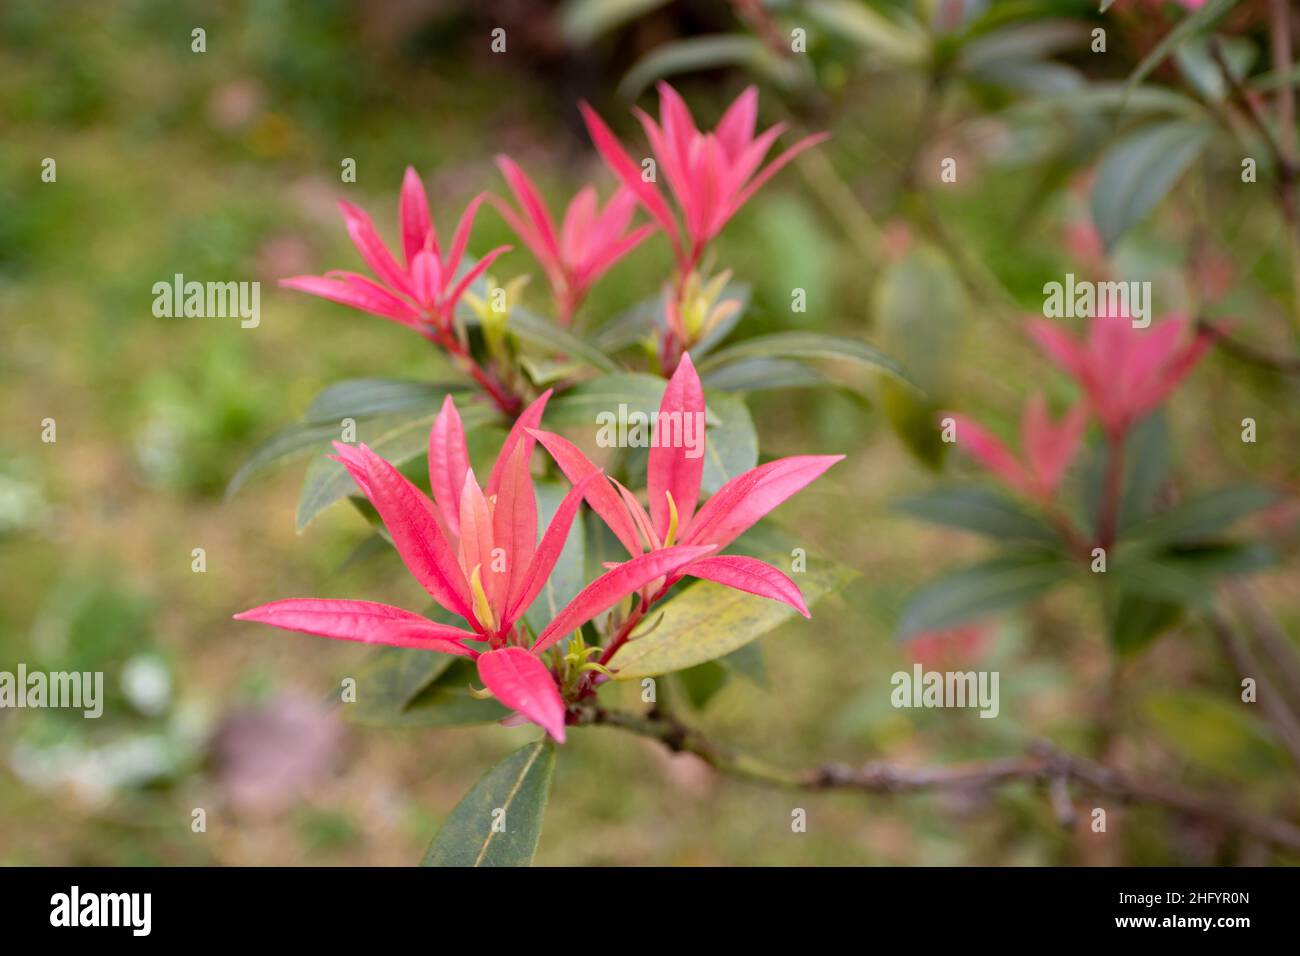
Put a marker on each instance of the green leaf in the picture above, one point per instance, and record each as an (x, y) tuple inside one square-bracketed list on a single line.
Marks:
[(1137, 171), (512, 795), (1035, 77), (293, 441), (1006, 581), (447, 702), (1135, 621), (706, 621), (979, 510), (1273, 79), (568, 577), (631, 326), (807, 345), (1185, 575), (1197, 63), (443, 701), (731, 445), (538, 332), (390, 680), (1147, 459), (702, 682), (1149, 456), (763, 374), (1102, 98), (710, 53), (1189, 26), (396, 439), (1202, 517), (747, 662), (374, 403), (582, 404), (644, 320), (920, 306), (1023, 41), (367, 397), (583, 21), (1215, 731), (901, 42)]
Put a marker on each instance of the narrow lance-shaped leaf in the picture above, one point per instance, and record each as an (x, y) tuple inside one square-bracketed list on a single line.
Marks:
[(1004, 582), (499, 822)]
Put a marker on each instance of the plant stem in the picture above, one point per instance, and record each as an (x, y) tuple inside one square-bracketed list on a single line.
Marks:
[(1112, 493), (635, 616), (504, 399), (1043, 764)]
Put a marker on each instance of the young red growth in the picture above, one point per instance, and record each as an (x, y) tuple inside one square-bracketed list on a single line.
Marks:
[(673, 488), (422, 292), (1048, 448), (586, 246), (1125, 372), (711, 174), (476, 552)]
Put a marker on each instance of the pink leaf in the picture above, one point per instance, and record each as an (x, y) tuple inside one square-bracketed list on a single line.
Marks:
[(414, 214), (751, 575), (531, 203), (612, 587), (476, 541), (617, 159), (357, 292), (372, 249), (604, 500), (524, 590), (409, 517), (736, 128), (448, 463), (363, 621), (449, 301), (522, 683), (514, 528), (775, 166), (748, 497), (671, 470), (987, 449), (528, 419)]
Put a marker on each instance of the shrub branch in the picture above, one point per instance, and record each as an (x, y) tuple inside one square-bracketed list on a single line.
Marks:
[(1043, 764)]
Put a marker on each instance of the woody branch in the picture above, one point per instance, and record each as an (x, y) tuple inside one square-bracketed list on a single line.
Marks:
[(1043, 764)]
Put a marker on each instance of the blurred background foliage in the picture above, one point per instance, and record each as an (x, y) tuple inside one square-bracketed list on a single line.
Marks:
[(225, 166)]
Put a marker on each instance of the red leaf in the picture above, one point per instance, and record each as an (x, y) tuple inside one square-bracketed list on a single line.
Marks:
[(363, 621), (751, 575), (610, 588), (522, 683)]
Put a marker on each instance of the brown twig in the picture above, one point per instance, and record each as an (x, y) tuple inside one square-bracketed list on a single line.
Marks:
[(1280, 29), (1283, 364), (1042, 764)]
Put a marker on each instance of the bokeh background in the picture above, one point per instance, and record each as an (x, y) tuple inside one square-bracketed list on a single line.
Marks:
[(225, 166)]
